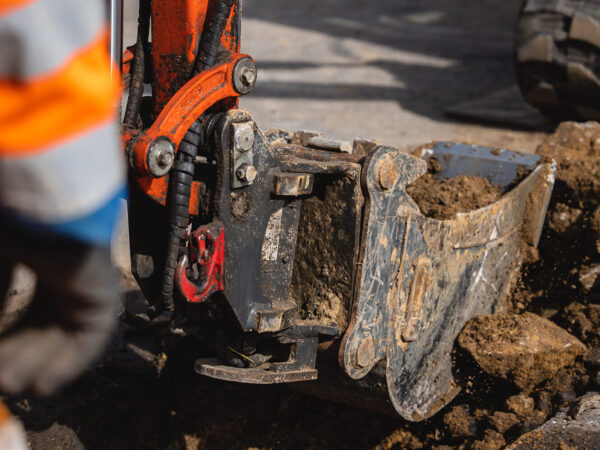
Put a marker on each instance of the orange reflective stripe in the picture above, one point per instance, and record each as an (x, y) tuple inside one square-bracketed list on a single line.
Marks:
[(4, 413), (7, 5), (57, 106)]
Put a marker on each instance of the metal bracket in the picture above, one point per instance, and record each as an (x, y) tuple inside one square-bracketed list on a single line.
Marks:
[(207, 249), (243, 172), (300, 366), (421, 279)]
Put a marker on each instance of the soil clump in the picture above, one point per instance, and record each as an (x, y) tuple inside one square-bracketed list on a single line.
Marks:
[(443, 198), (524, 350)]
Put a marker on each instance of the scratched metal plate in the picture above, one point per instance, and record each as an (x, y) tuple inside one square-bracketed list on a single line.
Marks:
[(422, 279)]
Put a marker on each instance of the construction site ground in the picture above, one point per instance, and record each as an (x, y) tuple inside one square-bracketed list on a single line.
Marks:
[(387, 70)]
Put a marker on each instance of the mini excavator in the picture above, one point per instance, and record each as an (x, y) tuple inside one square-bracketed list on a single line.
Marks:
[(298, 258)]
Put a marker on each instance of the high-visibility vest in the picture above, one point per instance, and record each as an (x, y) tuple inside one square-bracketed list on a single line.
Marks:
[(60, 162)]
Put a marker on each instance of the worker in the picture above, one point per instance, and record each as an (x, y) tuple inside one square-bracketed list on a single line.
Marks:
[(61, 176)]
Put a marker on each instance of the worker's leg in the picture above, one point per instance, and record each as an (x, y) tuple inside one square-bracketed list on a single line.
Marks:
[(69, 320)]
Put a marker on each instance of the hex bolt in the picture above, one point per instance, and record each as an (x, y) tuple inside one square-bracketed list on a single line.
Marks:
[(387, 173), (365, 352), (247, 173), (244, 76), (160, 157), (165, 158), (248, 76), (243, 136)]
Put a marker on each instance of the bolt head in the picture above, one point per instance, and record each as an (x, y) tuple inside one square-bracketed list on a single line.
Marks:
[(165, 158), (244, 76), (365, 352), (161, 156), (243, 136), (248, 76), (246, 173), (387, 173)]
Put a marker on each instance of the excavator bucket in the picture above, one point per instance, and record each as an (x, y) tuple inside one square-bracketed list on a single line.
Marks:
[(296, 258), (321, 250), (419, 280)]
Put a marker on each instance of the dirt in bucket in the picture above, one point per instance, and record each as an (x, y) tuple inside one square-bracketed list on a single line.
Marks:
[(443, 198)]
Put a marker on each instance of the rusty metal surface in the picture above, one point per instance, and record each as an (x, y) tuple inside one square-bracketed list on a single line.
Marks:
[(260, 241), (215, 368), (422, 279), (293, 185)]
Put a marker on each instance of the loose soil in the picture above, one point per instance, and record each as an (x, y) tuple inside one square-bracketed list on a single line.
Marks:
[(322, 276), (146, 395), (442, 199)]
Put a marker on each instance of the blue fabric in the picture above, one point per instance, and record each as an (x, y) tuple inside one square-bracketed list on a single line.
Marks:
[(95, 228)]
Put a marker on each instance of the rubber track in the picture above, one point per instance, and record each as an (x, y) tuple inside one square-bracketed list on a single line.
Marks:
[(557, 57)]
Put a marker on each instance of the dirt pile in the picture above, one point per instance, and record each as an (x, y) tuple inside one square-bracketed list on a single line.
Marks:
[(529, 369), (563, 283), (580, 423), (121, 406), (442, 199), (525, 349)]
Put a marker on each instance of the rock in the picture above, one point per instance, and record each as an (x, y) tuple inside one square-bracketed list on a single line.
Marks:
[(543, 402), (588, 276), (520, 404), (492, 440), (592, 359), (503, 421), (459, 422), (565, 397), (56, 436), (589, 401), (582, 383), (522, 349), (583, 321), (533, 421), (565, 431), (562, 217)]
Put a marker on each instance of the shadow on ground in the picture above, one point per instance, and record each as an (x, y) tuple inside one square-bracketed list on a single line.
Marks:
[(440, 52)]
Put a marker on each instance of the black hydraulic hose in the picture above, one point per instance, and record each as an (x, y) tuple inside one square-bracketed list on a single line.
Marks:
[(178, 204), (136, 85), (182, 173), (181, 176), (210, 44)]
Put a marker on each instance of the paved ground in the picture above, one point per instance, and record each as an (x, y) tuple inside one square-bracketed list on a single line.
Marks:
[(381, 69)]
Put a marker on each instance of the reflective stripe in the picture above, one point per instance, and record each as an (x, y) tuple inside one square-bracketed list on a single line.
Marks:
[(9, 5), (43, 35), (66, 182), (47, 110)]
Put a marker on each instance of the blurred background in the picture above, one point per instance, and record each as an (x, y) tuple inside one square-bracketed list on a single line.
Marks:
[(383, 69)]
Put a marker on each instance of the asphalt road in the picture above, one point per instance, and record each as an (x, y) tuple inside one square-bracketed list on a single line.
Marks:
[(378, 69)]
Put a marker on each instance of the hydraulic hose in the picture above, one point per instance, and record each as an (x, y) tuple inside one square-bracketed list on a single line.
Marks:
[(210, 44), (178, 204), (136, 86), (182, 173)]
